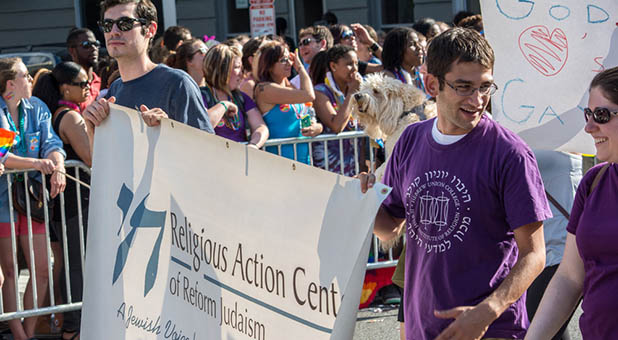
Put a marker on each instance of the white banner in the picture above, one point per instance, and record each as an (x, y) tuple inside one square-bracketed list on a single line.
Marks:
[(547, 53), (192, 236)]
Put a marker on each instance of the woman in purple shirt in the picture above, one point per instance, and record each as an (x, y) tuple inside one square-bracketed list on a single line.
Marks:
[(233, 114), (590, 263)]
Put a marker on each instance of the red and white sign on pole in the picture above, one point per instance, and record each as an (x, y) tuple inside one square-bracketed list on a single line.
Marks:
[(262, 17)]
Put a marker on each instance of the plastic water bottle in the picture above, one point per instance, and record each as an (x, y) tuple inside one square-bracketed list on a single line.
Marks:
[(307, 118)]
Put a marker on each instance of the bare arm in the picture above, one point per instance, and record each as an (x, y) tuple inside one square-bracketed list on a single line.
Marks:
[(58, 180), (13, 161), (371, 68), (73, 131), (271, 93), (336, 121), (561, 295), (363, 37), (221, 109), (471, 322), (268, 94), (259, 130)]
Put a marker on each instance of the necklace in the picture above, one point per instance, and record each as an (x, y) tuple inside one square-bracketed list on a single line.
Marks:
[(231, 122), (69, 104)]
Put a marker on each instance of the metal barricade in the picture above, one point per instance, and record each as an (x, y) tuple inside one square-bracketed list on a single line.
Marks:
[(69, 305), (356, 136)]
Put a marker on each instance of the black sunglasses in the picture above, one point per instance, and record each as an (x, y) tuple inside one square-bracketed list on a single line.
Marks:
[(124, 24), (600, 115), (305, 42), (88, 44), (81, 84)]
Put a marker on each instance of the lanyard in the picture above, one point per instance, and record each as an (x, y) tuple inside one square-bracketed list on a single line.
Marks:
[(20, 142)]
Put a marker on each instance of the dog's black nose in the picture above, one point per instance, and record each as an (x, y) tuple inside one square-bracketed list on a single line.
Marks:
[(358, 96)]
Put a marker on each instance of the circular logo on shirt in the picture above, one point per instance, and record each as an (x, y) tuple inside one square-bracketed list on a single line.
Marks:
[(437, 206)]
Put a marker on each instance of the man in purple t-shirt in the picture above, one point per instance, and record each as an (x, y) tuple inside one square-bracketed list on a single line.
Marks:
[(470, 198)]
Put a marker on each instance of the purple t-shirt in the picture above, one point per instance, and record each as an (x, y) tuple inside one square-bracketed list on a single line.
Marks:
[(461, 203), (234, 129), (594, 222)]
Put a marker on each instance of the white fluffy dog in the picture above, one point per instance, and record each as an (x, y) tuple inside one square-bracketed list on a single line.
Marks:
[(385, 106)]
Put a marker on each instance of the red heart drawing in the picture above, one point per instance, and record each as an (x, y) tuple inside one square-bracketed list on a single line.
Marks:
[(546, 52)]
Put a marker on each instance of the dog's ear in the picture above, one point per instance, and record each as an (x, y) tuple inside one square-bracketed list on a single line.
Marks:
[(432, 85)]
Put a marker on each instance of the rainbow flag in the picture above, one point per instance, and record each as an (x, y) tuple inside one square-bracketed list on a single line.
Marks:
[(6, 142)]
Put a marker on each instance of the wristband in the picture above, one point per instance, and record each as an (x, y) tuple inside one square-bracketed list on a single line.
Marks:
[(374, 47), (224, 106)]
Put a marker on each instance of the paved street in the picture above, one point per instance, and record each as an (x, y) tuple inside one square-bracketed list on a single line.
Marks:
[(380, 323)]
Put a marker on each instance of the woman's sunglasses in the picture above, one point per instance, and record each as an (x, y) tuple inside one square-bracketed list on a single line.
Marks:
[(124, 24), (201, 50), (347, 35), (600, 115)]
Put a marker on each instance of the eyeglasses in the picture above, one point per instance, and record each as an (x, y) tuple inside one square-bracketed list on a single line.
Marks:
[(600, 115), (285, 60), (88, 44), (467, 90), (124, 24), (81, 84), (305, 42), (347, 35)]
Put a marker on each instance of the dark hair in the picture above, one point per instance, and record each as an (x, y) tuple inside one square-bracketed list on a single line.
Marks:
[(332, 55), (281, 25), (460, 15), (269, 55), (330, 18), (457, 45), (47, 87), (395, 44), (74, 33), (423, 25), (183, 53), (337, 52), (475, 22), (7, 71), (145, 9), (318, 67), (608, 82), (249, 49), (173, 35), (336, 30), (105, 68), (319, 33)]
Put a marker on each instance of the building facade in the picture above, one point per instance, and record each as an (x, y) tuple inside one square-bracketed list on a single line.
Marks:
[(44, 22)]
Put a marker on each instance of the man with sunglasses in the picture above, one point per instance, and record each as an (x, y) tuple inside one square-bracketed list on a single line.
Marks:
[(469, 198), (311, 41), (84, 50), (155, 90)]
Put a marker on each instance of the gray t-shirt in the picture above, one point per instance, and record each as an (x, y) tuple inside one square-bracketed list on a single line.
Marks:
[(171, 90)]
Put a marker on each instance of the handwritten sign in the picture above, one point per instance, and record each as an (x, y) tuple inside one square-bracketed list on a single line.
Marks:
[(546, 55), (192, 236)]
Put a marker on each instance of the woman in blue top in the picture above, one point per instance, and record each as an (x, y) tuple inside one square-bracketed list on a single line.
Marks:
[(31, 119), (281, 103)]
